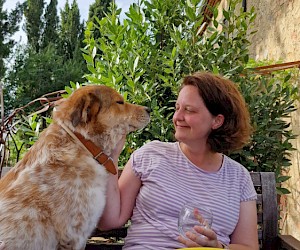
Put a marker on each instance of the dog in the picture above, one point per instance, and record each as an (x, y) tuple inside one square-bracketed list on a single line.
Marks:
[(54, 197)]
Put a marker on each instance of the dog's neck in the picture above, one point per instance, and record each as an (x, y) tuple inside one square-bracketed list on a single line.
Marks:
[(95, 151)]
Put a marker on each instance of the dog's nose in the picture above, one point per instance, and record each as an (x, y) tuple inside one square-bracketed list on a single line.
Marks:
[(148, 110)]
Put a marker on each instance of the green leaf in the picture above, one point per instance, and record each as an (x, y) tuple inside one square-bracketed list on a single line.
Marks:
[(226, 15), (174, 50), (282, 191), (281, 179), (91, 69), (88, 58), (215, 69), (94, 52), (136, 61), (287, 78)]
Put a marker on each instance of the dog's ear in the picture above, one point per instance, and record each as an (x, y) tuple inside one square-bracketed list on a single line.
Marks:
[(76, 114), (87, 107)]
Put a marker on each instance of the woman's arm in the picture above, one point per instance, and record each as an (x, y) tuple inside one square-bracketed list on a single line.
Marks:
[(245, 235), (120, 199)]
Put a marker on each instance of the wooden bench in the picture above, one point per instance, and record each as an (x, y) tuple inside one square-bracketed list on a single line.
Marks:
[(267, 216)]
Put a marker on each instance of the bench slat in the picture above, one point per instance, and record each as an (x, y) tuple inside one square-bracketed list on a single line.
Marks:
[(270, 210)]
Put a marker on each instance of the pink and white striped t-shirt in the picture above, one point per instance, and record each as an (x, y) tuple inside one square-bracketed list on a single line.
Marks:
[(169, 180)]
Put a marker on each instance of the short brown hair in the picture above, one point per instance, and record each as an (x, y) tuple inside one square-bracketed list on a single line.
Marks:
[(221, 96)]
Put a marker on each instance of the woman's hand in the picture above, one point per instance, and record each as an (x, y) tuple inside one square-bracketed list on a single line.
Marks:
[(205, 237)]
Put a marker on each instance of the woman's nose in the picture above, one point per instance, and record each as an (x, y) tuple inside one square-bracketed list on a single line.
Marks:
[(178, 115)]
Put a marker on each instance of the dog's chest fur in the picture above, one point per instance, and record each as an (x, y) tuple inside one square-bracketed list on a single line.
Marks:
[(54, 175)]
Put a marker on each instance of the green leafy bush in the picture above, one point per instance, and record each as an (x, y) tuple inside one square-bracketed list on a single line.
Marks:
[(271, 101), (146, 55)]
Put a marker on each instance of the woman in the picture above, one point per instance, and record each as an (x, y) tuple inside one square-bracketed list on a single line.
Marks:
[(211, 119)]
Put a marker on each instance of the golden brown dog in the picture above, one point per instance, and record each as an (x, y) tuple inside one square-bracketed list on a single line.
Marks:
[(54, 197)]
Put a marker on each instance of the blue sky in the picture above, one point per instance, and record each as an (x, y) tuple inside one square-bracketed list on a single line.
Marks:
[(82, 4)]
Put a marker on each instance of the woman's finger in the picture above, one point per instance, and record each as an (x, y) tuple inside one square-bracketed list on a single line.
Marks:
[(199, 239), (187, 242), (207, 236), (210, 234)]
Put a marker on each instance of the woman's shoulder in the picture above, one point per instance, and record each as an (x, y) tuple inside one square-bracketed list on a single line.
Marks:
[(235, 167), (150, 156), (238, 175), (158, 146)]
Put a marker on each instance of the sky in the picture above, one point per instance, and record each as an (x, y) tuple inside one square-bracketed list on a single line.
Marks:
[(82, 4)]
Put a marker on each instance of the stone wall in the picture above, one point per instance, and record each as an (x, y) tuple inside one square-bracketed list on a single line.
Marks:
[(278, 30), (278, 39)]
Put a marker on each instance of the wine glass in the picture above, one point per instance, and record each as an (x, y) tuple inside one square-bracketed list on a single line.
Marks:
[(193, 214)]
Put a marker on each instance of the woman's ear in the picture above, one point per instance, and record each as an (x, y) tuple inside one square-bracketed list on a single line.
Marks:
[(218, 121)]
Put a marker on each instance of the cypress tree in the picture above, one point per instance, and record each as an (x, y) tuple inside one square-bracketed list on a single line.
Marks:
[(98, 9), (9, 25), (51, 20), (71, 30), (34, 23)]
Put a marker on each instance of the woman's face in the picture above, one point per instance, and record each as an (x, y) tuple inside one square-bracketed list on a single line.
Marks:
[(192, 120)]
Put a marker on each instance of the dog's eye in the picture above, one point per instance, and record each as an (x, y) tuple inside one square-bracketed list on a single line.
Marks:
[(120, 102)]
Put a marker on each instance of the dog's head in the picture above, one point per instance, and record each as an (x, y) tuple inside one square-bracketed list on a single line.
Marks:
[(100, 114)]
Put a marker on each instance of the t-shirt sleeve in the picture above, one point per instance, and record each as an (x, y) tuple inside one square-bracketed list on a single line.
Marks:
[(135, 161), (141, 160), (248, 191)]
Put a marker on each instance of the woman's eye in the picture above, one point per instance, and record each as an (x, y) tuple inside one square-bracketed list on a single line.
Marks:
[(189, 110), (120, 102)]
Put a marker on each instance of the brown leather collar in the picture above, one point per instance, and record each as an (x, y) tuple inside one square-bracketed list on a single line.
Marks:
[(97, 153), (94, 150)]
